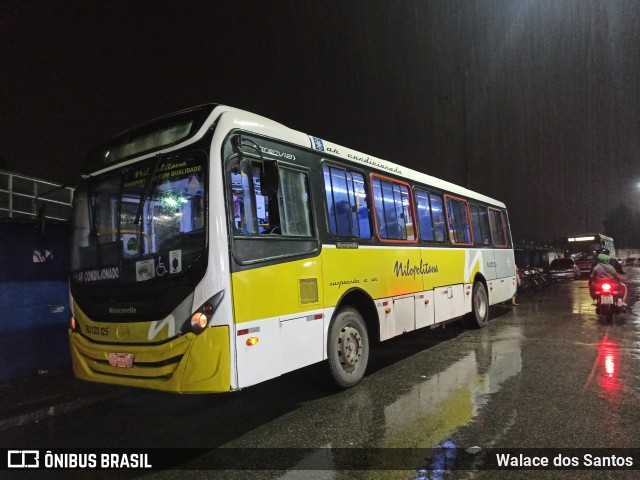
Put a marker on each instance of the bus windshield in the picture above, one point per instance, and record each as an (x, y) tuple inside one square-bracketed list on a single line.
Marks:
[(588, 245), (140, 224)]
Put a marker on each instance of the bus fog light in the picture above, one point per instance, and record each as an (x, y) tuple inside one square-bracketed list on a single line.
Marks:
[(199, 321)]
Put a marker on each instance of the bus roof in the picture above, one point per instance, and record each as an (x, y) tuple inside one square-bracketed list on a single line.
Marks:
[(268, 127), (133, 142)]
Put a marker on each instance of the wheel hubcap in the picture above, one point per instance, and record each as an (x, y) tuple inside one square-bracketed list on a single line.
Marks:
[(349, 347), (481, 305)]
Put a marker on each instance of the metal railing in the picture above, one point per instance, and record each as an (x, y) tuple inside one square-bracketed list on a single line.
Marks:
[(22, 197)]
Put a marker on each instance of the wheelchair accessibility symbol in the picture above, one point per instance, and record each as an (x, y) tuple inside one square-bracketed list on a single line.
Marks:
[(161, 269)]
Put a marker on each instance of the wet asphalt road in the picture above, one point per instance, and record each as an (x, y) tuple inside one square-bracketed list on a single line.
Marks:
[(545, 374)]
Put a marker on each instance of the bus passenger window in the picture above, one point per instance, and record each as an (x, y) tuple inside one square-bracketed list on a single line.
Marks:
[(437, 214), (480, 225), (424, 211), (497, 228), (347, 204), (394, 212), (458, 215), (358, 194)]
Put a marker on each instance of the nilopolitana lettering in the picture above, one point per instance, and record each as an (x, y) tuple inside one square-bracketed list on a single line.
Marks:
[(407, 270)]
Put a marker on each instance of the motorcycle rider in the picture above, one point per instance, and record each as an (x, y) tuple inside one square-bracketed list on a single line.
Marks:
[(602, 271)]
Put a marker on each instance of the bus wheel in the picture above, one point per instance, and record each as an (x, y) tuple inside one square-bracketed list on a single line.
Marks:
[(479, 316), (347, 347)]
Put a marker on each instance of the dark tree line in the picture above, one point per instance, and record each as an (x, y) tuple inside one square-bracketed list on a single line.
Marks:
[(623, 225)]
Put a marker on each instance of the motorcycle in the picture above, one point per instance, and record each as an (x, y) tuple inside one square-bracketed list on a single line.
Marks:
[(532, 279), (608, 295)]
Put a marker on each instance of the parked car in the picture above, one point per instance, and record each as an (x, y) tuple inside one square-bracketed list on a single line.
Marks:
[(564, 268)]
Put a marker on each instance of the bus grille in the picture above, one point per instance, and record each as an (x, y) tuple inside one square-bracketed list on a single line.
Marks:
[(149, 370)]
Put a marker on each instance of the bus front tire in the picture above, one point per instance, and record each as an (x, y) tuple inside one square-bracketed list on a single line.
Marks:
[(479, 316), (347, 347)]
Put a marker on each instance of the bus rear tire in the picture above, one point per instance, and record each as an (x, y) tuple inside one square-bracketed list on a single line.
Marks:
[(347, 347), (479, 316)]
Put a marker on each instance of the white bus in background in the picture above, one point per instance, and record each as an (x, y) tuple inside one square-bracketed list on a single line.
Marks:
[(584, 248)]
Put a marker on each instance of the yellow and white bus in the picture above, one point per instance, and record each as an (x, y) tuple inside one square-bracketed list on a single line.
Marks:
[(214, 249)]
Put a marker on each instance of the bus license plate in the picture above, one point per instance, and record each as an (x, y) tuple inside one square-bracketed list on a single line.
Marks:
[(606, 299), (122, 360)]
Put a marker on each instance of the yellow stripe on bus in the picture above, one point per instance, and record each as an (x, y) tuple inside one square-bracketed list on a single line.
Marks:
[(276, 290)]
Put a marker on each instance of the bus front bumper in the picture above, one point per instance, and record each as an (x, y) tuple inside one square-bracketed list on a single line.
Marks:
[(189, 363)]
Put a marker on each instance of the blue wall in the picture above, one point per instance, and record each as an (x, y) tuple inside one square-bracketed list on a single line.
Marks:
[(34, 311)]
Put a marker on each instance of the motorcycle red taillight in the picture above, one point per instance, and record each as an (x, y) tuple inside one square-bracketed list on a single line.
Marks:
[(606, 288)]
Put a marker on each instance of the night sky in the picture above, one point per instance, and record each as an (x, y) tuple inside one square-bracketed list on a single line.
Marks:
[(535, 103)]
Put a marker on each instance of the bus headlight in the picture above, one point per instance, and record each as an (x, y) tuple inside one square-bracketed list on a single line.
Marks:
[(202, 316), (198, 322)]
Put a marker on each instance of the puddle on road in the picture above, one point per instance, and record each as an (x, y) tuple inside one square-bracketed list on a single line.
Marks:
[(436, 407)]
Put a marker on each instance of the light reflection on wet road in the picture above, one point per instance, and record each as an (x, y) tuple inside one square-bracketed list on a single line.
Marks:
[(545, 374)]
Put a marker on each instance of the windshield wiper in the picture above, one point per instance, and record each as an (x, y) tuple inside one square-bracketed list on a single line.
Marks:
[(91, 210), (93, 214), (147, 187)]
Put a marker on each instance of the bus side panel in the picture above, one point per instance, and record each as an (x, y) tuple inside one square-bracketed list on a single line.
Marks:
[(442, 267), (262, 361), (380, 271), (301, 341), (280, 306), (275, 290), (390, 271), (506, 284), (389, 275), (402, 281), (489, 264), (449, 302), (425, 308)]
